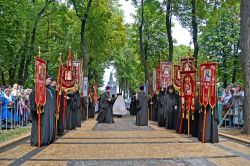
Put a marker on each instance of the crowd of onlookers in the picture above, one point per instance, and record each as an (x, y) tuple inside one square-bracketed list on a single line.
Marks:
[(14, 106), (230, 105)]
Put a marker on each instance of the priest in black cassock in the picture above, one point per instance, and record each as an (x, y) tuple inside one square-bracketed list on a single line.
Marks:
[(133, 105), (105, 110), (211, 129), (162, 103), (142, 108), (91, 106), (171, 107), (155, 108), (195, 121), (177, 113), (47, 128)]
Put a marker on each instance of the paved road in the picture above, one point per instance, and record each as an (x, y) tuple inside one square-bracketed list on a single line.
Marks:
[(123, 143)]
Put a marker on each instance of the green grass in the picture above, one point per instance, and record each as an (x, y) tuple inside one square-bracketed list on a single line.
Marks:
[(12, 133)]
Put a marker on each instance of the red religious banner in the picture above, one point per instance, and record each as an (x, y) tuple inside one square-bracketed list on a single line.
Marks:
[(40, 81), (188, 89), (76, 68), (187, 64), (208, 84), (151, 91), (207, 90), (67, 83), (187, 94), (68, 75), (177, 76), (158, 79), (95, 93), (40, 92), (166, 74)]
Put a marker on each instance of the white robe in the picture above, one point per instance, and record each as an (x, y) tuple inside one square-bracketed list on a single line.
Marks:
[(119, 107)]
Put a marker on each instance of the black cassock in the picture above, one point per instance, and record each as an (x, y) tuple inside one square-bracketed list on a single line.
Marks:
[(71, 112), (105, 111), (177, 114), (133, 106), (170, 109), (78, 109), (142, 110), (211, 131), (161, 107), (47, 129), (83, 108), (155, 108), (91, 109), (54, 92), (195, 121), (150, 108), (60, 125)]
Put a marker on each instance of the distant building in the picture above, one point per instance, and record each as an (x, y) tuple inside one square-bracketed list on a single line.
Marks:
[(112, 85)]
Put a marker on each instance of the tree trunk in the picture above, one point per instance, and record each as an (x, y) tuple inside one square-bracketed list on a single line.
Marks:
[(245, 60), (83, 41), (33, 37), (144, 61), (224, 64), (169, 32), (3, 79), (23, 56), (195, 30)]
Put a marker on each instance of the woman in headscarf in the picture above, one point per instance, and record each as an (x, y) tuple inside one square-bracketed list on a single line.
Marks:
[(7, 107)]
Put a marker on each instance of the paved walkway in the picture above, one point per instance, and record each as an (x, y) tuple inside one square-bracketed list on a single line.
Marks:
[(123, 143)]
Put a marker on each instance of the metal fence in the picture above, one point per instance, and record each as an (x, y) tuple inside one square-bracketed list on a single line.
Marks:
[(19, 114)]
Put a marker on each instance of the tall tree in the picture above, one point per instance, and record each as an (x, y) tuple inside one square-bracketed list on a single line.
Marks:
[(195, 29), (83, 17), (245, 60), (142, 51), (169, 31), (33, 38)]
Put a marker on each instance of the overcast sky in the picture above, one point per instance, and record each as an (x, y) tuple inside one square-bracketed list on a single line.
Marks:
[(179, 33)]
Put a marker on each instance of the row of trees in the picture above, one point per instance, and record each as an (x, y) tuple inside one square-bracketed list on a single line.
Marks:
[(214, 26), (92, 30), (96, 33)]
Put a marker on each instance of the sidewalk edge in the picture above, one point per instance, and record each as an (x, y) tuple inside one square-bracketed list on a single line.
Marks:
[(235, 138)]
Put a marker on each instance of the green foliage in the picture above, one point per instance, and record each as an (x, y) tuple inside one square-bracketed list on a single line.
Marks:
[(220, 39)]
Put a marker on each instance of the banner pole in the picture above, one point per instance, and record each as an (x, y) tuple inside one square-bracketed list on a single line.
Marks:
[(189, 123), (204, 125), (39, 126)]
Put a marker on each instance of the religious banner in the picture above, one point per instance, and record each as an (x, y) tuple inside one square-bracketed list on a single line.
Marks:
[(154, 80), (81, 77), (187, 64), (40, 81), (68, 80), (208, 84), (40, 92), (76, 69), (188, 89), (207, 90), (166, 74), (151, 92), (95, 93), (177, 76), (85, 86), (187, 94), (158, 79)]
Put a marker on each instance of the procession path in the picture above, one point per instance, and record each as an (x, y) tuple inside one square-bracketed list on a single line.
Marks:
[(124, 143)]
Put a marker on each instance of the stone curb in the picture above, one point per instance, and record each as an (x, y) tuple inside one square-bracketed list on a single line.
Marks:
[(14, 140), (235, 138)]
